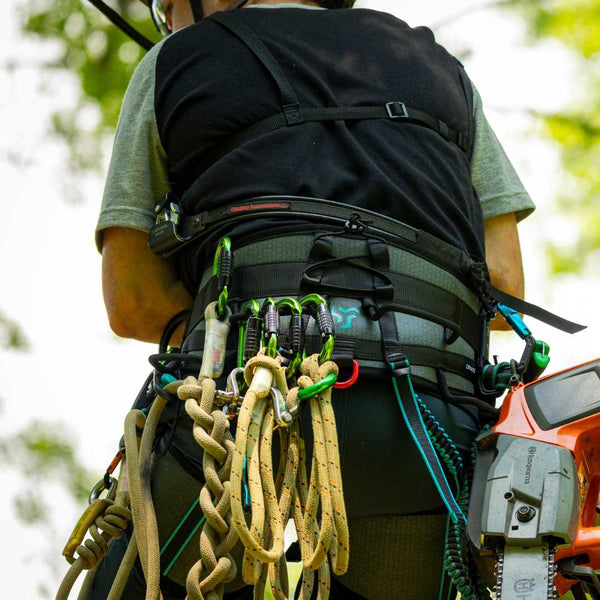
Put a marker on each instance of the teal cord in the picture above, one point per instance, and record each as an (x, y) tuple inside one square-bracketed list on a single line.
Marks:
[(451, 509)]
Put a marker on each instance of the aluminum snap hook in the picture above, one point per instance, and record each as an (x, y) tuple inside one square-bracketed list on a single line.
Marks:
[(283, 417)]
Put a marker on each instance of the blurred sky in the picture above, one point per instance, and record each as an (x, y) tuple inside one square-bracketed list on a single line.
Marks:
[(78, 373)]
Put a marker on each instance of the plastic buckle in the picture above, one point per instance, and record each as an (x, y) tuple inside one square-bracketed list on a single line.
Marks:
[(398, 364), (396, 110)]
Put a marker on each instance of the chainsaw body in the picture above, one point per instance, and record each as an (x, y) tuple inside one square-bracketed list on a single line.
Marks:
[(536, 488)]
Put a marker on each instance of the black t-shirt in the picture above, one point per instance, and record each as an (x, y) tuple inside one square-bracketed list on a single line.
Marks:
[(210, 85)]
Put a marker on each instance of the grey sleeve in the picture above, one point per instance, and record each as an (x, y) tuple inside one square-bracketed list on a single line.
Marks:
[(137, 175), (494, 178)]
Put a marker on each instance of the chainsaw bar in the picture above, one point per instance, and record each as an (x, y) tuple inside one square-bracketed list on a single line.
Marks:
[(525, 573)]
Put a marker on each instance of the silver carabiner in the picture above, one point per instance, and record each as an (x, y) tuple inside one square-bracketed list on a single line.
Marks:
[(231, 397), (283, 417)]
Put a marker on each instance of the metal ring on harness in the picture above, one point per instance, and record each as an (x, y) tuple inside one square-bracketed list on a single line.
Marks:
[(343, 385)]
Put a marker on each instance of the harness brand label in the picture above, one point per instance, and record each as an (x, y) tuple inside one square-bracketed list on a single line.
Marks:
[(347, 316)]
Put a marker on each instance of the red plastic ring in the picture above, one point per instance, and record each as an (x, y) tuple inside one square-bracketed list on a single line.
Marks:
[(342, 385)]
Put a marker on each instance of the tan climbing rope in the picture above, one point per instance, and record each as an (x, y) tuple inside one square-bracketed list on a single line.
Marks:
[(318, 507), (105, 519), (216, 567)]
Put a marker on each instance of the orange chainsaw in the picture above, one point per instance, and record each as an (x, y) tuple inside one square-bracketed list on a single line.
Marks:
[(536, 487)]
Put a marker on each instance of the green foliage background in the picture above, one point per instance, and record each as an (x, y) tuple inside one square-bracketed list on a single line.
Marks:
[(102, 59), (576, 24)]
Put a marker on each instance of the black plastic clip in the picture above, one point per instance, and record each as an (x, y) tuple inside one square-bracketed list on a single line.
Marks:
[(355, 224)]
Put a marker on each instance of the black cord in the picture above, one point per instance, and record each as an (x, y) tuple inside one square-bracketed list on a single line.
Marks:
[(469, 400), (116, 19), (170, 329)]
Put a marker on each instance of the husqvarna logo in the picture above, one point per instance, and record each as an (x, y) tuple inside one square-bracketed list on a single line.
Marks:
[(524, 588), (344, 316), (528, 466)]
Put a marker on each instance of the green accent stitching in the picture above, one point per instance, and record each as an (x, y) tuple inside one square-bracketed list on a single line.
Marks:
[(179, 526)]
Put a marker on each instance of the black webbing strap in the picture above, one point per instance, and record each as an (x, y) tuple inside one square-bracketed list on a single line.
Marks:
[(116, 19), (467, 86), (391, 111), (289, 102), (292, 114), (410, 295), (400, 371), (536, 312), (401, 235)]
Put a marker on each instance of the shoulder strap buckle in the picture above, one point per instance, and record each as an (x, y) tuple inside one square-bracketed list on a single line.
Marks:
[(397, 110)]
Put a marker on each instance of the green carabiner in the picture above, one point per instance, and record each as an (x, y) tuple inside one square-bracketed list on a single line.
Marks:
[(317, 388), (223, 268), (271, 325), (324, 323), (252, 308), (296, 343)]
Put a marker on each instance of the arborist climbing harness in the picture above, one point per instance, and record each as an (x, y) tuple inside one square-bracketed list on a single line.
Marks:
[(378, 276), (242, 497)]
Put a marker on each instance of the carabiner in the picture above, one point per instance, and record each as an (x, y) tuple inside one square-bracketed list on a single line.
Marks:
[(324, 323), (250, 333), (232, 398), (283, 417), (101, 487), (223, 269), (271, 317), (296, 341), (318, 387)]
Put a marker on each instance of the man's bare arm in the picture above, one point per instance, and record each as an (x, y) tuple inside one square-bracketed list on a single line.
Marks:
[(141, 290), (503, 253)]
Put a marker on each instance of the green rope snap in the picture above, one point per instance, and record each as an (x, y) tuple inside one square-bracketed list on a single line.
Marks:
[(317, 388)]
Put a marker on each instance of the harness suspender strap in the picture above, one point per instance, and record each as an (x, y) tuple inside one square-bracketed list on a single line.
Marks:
[(400, 370), (335, 113), (469, 136), (292, 114), (289, 101)]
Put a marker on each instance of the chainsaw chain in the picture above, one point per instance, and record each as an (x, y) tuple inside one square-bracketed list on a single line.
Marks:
[(499, 572)]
